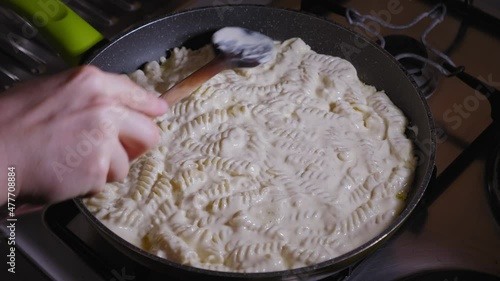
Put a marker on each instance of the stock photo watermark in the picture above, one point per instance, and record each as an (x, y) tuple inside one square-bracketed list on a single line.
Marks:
[(11, 218), (459, 112), (75, 154), (225, 6), (49, 10), (121, 275), (94, 137), (393, 7)]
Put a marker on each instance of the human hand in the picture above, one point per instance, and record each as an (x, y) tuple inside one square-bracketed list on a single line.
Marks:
[(68, 134)]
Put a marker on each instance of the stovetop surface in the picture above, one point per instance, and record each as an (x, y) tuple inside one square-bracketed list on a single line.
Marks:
[(456, 231)]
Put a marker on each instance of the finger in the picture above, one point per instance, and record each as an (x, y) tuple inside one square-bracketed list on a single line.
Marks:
[(131, 95), (122, 89), (109, 88), (119, 163), (37, 90), (137, 134), (97, 167)]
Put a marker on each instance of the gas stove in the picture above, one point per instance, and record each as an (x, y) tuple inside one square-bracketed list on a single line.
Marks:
[(455, 232)]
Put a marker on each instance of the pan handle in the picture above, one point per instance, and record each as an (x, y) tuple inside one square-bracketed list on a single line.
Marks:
[(66, 32)]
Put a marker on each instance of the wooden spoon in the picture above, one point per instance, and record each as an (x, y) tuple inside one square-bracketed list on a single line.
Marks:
[(238, 47)]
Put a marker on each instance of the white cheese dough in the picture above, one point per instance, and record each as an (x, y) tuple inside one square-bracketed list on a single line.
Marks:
[(280, 166)]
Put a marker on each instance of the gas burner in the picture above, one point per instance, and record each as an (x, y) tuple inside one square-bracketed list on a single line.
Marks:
[(425, 76), (452, 275), (404, 48), (493, 182)]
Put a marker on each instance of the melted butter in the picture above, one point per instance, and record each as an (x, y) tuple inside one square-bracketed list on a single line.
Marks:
[(270, 168)]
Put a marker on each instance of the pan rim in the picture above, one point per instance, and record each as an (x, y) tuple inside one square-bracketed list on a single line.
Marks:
[(371, 244)]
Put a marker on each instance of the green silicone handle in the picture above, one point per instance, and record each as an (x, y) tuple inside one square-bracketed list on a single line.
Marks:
[(65, 31)]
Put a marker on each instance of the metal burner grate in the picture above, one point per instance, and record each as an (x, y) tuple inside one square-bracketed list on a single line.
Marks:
[(493, 182), (25, 55)]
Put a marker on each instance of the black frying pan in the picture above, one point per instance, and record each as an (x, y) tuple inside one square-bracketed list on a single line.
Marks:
[(375, 66)]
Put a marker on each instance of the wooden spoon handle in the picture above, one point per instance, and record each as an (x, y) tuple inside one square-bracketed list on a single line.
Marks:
[(193, 81)]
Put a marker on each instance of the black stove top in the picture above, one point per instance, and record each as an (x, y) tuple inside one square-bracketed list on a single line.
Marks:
[(452, 275), (454, 234), (493, 180)]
